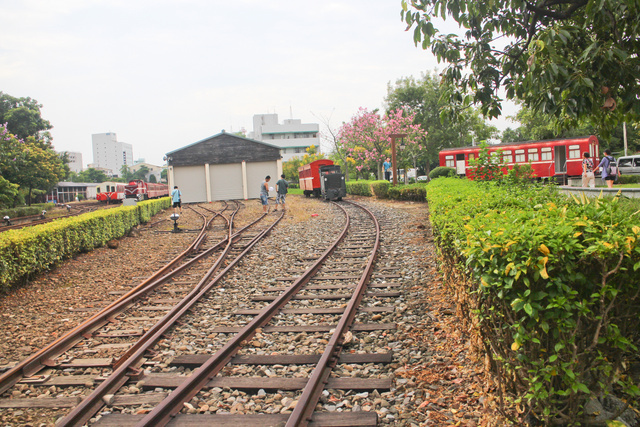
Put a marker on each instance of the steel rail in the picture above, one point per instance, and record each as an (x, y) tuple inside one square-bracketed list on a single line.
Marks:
[(45, 355), (92, 403), (231, 238), (174, 402), (301, 415)]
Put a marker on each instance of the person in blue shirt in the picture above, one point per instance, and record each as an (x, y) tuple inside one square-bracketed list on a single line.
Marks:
[(387, 169), (608, 176), (176, 198)]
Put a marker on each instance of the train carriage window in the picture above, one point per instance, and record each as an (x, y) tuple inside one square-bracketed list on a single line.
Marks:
[(449, 162), (574, 151), (471, 157), (533, 155), (507, 156), (546, 153), (520, 156)]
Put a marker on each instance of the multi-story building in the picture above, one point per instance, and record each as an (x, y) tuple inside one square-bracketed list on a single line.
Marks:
[(109, 153), (293, 137), (75, 160), (152, 170)]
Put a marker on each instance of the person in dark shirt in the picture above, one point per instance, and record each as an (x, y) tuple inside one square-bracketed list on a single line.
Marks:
[(282, 188)]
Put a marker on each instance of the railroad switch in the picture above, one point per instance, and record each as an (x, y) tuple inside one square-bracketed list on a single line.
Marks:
[(175, 217)]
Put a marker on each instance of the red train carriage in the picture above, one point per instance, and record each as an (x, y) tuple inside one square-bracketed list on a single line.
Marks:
[(549, 158), (110, 192), (138, 189), (309, 176)]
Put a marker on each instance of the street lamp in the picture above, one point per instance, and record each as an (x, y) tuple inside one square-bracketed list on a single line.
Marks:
[(393, 153)]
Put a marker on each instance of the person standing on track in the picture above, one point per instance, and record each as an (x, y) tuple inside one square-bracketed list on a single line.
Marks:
[(264, 193), (281, 188), (176, 198)]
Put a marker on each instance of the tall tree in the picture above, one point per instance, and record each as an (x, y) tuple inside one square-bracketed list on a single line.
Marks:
[(367, 137), (29, 164), (423, 99), (23, 118), (572, 59)]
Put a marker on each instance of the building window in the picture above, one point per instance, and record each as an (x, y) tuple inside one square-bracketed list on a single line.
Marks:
[(546, 153), (507, 156), (574, 151), (450, 162), (520, 156), (533, 155)]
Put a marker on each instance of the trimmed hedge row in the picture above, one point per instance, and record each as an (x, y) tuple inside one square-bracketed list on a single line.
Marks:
[(35, 249), (384, 190), (359, 188), (628, 179), (548, 286)]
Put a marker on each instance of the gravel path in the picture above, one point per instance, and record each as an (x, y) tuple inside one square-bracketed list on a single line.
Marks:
[(436, 382)]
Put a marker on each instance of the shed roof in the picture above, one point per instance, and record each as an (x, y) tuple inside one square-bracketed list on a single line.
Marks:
[(223, 148)]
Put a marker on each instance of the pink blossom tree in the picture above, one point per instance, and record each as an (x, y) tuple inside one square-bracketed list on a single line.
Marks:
[(366, 138)]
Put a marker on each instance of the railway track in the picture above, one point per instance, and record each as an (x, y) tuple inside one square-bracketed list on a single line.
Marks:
[(326, 298)]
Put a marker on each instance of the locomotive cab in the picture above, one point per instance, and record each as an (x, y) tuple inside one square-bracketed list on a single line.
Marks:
[(332, 184)]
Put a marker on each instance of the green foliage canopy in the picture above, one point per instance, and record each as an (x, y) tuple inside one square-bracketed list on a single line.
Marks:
[(572, 59), (22, 116), (424, 98)]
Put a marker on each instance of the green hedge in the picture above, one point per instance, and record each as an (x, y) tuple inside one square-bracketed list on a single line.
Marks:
[(628, 179), (359, 188), (32, 250), (380, 188), (442, 172), (549, 285), (414, 192)]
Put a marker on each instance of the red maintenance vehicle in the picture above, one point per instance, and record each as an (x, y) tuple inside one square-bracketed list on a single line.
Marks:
[(551, 158), (322, 178), (138, 189), (110, 192)]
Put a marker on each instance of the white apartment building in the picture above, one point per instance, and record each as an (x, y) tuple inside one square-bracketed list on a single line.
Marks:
[(153, 170), (110, 154), (75, 160), (293, 137)]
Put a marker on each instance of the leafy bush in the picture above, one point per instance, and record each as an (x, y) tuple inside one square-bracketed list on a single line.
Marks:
[(32, 250), (549, 286), (442, 171), (487, 166), (520, 174), (294, 185), (412, 192), (359, 188), (380, 188)]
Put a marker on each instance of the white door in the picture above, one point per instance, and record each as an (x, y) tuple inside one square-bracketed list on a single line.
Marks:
[(256, 172), (191, 182), (226, 181)]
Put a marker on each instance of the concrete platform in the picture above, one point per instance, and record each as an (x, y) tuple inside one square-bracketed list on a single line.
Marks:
[(595, 192)]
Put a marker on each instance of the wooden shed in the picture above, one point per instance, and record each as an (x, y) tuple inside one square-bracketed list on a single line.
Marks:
[(222, 167)]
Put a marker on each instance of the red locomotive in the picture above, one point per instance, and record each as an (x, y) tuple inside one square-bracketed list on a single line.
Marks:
[(322, 178), (549, 158), (138, 189), (309, 176), (110, 192)]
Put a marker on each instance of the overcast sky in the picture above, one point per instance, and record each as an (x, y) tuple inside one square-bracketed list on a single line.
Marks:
[(164, 74)]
